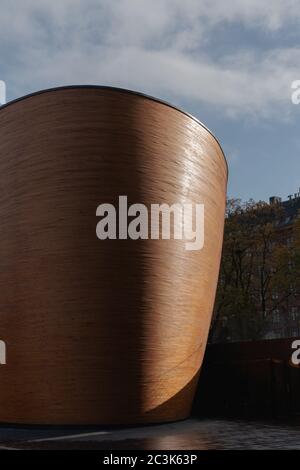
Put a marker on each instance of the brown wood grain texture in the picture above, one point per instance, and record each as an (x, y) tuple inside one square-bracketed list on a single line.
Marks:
[(102, 331)]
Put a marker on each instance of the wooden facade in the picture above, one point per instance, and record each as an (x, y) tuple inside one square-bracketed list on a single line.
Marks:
[(102, 331)]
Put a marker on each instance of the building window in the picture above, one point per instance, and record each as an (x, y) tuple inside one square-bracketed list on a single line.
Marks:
[(293, 289), (294, 332), (291, 264), (276, 316), (294, 313)]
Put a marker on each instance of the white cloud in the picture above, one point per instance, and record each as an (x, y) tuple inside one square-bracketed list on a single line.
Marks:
[(162, 47)]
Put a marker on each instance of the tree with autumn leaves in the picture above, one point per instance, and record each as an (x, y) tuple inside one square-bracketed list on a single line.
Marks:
[(260, 270)]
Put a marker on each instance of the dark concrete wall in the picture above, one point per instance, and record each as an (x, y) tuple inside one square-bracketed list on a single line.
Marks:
[(249, 379)]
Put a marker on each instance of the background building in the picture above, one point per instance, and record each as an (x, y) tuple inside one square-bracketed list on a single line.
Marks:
[(258, 294)]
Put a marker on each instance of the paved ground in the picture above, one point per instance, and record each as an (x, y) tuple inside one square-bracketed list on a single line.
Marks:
[(189, 434)]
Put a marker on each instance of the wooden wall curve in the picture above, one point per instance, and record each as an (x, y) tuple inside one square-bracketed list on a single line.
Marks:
[(114, 331)]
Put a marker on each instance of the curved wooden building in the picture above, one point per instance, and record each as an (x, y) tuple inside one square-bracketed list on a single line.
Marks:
[(102, 331)]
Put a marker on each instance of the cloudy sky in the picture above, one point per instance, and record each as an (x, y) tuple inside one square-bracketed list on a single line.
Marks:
[(230, 63)]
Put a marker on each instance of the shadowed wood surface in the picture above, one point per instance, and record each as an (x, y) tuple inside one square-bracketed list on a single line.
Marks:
[(102, 331)]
